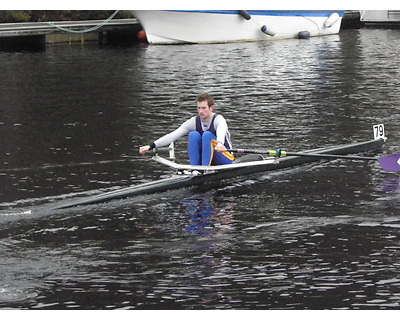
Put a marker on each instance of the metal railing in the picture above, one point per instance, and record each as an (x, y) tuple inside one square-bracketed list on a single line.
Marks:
[(40, 28)]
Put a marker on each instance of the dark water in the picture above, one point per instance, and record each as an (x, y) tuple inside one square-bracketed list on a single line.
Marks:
[(320, 236)]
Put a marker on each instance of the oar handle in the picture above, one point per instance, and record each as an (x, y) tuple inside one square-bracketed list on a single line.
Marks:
[(273, 153), (248, 151), (170, 148)]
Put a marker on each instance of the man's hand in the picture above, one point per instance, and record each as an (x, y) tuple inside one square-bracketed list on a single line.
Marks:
[(220, 147), (144, 149)]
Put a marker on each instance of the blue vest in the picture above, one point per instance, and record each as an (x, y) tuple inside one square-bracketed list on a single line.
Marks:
[(211, 128), (199, 126)]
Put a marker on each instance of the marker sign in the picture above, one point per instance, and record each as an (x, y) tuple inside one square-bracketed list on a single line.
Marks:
[(379, 131)]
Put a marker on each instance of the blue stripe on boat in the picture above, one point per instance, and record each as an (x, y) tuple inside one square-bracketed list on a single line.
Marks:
[(290, 13)]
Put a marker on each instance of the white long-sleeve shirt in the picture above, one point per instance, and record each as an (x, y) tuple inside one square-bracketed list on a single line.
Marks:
[(220, 125)]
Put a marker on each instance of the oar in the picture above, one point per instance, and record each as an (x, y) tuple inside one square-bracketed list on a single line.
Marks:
[(388, 163)]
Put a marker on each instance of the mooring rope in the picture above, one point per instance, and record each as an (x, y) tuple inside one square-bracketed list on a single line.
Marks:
[(87, 30)]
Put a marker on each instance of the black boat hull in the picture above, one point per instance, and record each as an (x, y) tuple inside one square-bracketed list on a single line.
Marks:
[(182, 181)]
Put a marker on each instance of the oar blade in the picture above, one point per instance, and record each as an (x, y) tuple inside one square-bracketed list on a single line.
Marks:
[(390, 162)]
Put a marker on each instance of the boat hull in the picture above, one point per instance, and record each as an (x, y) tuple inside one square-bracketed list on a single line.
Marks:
[(175, 27), (380, 17), (183, 181)]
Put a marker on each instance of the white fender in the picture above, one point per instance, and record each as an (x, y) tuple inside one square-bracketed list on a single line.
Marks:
[(331, 20)]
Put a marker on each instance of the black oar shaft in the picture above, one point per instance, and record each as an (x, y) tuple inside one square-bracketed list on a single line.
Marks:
[(281, 153), (332, 156)]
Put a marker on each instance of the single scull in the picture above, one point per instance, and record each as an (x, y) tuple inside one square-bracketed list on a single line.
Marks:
[(199, 175)]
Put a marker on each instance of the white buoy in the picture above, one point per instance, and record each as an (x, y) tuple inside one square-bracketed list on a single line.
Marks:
[(268, 31), (331, 20)]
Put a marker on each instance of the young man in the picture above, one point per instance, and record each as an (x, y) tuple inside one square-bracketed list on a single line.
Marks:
[(208, 132)]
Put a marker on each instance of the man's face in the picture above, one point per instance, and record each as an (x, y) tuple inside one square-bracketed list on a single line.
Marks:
[(204, 110)]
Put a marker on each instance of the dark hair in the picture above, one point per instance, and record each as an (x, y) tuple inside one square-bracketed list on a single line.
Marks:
[(206, 97)]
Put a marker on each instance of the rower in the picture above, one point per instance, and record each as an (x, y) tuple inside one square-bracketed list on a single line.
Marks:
[(208, 132)]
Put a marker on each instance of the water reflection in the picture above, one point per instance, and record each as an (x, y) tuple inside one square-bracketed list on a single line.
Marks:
[(389, 192), (205, 218), (391, 185)]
